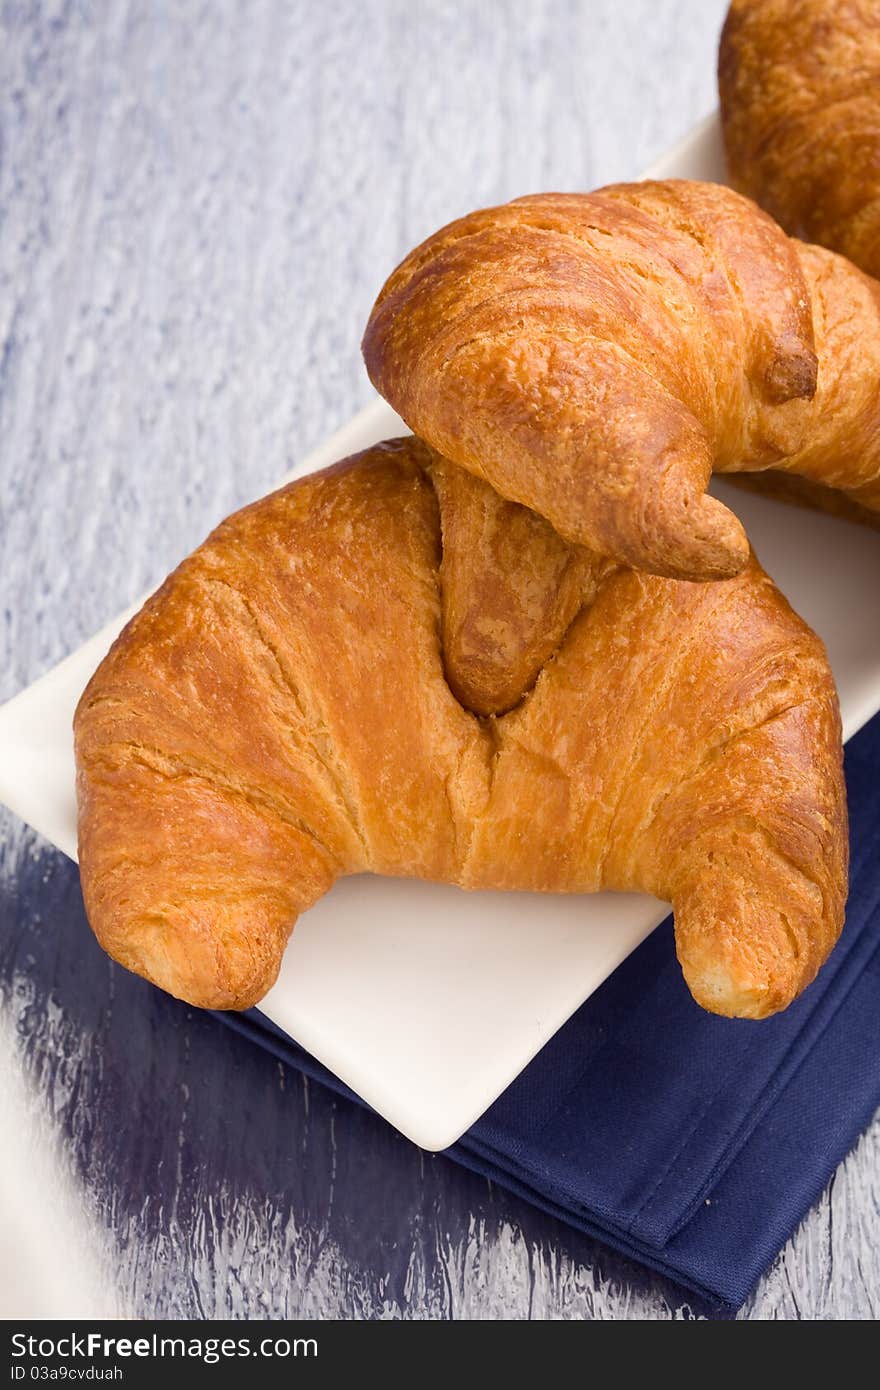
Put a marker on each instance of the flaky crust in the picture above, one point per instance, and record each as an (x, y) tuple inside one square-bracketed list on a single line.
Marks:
[(509, 586), (837, 466), (595, 356), (799, 82), (277, 716)]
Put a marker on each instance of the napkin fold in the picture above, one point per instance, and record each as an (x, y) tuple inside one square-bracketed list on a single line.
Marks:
[(691, 1143)]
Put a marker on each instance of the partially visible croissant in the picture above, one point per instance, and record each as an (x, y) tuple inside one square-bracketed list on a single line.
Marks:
[(509, 590), (595, 356), (799, 82), (277, 716)]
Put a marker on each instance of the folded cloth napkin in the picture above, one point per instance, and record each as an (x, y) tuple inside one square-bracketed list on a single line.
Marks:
[(691, 1143)]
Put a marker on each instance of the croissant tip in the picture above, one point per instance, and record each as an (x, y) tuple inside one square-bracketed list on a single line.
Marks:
[(793, 374), (181, 957), (707, 542), (717, 990)]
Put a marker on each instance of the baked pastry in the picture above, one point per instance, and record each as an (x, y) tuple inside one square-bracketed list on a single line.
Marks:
[(277, 715), (509, 590), (595, 356), (799, 82)]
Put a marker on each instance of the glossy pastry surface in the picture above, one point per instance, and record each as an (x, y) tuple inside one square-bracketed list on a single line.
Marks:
[(596, 356), (799, 82), (278, 715)]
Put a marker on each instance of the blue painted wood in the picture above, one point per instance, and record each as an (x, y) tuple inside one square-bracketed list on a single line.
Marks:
[(227, 1184), (197, 205)]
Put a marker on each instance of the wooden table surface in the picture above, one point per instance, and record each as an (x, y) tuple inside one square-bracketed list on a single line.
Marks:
[(198, 204)]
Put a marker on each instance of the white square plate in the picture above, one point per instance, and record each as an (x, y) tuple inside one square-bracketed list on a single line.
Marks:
[(425, 1000)]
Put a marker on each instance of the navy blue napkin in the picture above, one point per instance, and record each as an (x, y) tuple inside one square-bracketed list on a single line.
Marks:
[(691, 1143)]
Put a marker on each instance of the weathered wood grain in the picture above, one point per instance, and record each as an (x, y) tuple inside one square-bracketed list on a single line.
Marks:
[(197, 204)]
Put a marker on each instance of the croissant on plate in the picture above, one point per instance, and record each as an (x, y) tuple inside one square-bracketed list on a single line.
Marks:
[(799, 82), (595, 356), (278, 715)]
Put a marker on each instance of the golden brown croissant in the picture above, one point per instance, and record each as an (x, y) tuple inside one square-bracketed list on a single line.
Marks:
[(800, 104), (595, 356), (277, 716), (509, 586)]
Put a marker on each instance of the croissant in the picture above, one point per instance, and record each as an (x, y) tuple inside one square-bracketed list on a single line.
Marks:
[(510, 588), (277, 715), (594, 357), (799, 82)]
